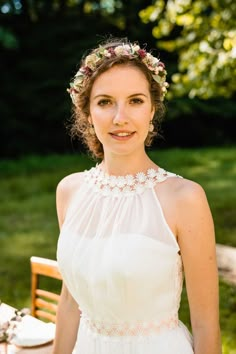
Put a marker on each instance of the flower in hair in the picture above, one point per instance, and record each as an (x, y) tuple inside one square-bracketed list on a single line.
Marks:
[(91, 61), (142, 53), (132, 51)]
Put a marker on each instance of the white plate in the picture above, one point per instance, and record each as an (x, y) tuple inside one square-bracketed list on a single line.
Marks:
[(32, 332)]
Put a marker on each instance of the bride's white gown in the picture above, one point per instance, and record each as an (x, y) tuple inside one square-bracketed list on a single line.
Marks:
[(121, 263)]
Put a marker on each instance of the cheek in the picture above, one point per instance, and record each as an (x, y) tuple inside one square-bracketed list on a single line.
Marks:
[(101, 117), (100, 123)]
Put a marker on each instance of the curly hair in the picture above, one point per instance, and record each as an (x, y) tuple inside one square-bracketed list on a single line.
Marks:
[(81, 108)]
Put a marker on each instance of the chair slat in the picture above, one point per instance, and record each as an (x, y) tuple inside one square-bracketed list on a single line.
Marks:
[(45, 316), (47, 294), (43, 302)]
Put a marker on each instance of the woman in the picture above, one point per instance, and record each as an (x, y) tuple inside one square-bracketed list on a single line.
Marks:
[(128, 227)]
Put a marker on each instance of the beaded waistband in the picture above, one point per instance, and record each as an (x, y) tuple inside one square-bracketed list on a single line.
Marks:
[(127, 328)]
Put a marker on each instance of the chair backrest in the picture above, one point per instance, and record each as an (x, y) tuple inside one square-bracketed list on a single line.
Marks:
[(43, 303)]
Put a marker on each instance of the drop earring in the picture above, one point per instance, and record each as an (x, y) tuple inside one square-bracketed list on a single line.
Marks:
[(151, 127)]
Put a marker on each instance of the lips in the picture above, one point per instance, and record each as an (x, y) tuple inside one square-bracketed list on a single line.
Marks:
[(121, 133)]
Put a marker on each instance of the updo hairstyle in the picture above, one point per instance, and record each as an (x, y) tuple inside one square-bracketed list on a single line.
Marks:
[(80, 125)]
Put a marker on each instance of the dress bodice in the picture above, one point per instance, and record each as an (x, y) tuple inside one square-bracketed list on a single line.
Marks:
[(117, 254), (121, 263)]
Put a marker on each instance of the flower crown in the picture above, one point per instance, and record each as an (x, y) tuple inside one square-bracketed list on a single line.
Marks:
[(94, 60)]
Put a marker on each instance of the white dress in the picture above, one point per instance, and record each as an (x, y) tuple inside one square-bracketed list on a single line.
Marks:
[(121, 263)]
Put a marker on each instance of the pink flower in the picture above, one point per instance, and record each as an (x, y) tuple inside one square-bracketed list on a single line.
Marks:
[(111, 51), (142, 53), (87, 70), (161, 64)]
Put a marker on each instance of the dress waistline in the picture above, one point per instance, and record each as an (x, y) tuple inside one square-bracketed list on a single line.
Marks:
[(128, 328)]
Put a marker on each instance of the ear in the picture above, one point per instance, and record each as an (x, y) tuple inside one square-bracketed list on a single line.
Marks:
[(89, 119)]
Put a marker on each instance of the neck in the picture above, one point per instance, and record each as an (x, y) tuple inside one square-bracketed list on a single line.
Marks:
[(121, 165)]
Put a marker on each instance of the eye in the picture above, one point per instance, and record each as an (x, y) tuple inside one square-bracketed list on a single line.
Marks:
[(136, 100), (104, 102)]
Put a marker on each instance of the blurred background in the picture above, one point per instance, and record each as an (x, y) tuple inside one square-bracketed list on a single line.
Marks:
[(41, 43)]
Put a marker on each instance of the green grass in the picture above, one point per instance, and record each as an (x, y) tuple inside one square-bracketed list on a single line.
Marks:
[(28, 222)]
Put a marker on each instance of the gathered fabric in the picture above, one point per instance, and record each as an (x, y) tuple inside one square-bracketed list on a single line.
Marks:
[(121, 263)]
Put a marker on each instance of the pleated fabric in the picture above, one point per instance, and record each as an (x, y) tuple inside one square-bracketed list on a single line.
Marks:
[(121, 263)]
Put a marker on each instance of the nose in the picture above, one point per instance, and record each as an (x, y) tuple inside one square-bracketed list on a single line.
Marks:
[(120, 116)]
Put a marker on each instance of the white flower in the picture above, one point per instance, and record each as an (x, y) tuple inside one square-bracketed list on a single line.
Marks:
[(112, 181), (160, 172), (154, 61), (78, 80), (119, 50), (141, 177), (130, 180), (105, 180), (126, 47), (135, 48), (121, 182), (91, 61), (133, 51), (127, 190), (79, 74), (107, 54), (151, 173)]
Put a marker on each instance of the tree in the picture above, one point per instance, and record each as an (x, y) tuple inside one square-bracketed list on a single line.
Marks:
[(203, 34)]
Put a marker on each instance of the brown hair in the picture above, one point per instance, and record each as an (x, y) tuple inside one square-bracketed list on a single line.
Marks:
[(80, 125)]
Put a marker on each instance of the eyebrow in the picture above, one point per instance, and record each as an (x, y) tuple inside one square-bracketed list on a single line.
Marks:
[(108, 96)]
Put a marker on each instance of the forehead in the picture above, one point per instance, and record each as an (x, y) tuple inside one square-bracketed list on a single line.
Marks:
[(121, 76)]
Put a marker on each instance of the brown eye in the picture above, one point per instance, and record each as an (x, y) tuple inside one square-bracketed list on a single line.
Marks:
[(136, 100), (104, 102)]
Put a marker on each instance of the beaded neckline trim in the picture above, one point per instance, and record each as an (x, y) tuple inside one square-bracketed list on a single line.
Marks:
[(128, 184)]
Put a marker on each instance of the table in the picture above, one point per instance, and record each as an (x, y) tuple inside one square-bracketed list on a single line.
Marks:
[(6, 312), (12, 349)]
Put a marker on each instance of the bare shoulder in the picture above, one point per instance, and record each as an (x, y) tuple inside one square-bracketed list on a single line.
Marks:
[(192, 210), (69, 183), (187, 199), (187, 191), (66, 189)]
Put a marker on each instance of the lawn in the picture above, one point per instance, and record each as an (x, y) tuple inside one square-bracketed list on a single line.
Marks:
[(28, 223)]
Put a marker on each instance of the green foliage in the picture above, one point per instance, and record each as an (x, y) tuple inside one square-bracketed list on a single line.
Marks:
[(42, 44), (203, 33), (51, 37), (7, 39)]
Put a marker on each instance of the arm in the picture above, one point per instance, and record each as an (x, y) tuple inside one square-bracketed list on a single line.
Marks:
[(197, 244), (67, 323), (68, 314)]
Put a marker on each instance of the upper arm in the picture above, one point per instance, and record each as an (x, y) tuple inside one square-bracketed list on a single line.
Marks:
[(61, 200), (66, 188), (196, 239)]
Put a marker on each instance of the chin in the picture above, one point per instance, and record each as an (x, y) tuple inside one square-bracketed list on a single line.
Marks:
[(124, 151)]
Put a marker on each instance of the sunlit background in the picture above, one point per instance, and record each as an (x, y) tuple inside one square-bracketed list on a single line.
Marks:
[(41, 44)]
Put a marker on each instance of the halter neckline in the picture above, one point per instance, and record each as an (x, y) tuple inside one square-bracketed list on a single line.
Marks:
[(128, 184)]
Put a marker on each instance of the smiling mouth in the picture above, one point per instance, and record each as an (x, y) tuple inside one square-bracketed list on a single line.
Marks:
[(122, 134)]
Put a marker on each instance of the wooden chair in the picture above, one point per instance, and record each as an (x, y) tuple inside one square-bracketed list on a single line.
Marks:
[(43, 303)]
